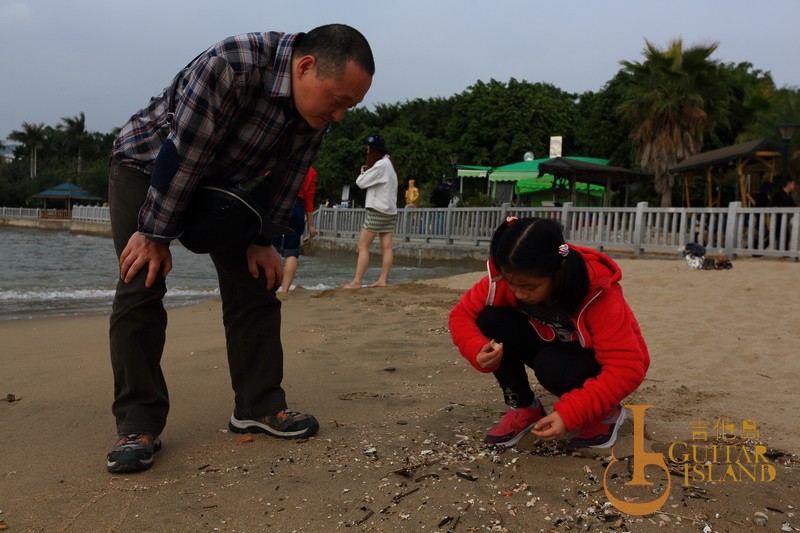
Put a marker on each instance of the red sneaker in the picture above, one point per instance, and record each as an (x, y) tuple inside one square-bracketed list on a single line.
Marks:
[(516, 423), (601, 432)]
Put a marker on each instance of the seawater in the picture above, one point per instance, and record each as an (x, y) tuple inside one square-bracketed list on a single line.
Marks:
[(45, 273)]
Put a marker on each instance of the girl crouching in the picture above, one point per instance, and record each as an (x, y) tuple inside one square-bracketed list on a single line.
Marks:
[(559, 310)]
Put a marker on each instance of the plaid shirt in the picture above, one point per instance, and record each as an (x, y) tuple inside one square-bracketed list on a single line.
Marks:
[(228, 115)]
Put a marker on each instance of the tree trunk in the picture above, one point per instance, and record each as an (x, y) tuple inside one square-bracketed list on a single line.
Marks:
[(666, 198)]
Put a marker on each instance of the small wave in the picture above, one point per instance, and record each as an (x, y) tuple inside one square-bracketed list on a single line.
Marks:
[(191, 293), (38, 295), (30, 303), (317, 287)]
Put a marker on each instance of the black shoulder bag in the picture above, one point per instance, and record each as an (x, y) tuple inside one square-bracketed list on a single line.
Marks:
[(222, 217)]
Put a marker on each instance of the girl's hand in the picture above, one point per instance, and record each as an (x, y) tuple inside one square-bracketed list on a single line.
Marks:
[(490, 355), (550, 427)]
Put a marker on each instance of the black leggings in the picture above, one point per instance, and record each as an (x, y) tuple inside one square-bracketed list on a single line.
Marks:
[(559, 366)]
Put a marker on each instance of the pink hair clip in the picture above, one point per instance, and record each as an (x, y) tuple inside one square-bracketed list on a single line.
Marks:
[(563, 250), (511, 220)]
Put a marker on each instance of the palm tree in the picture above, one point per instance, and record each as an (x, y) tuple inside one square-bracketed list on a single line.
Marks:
[(670, 102), (784, 108), (74, 129), (32, 136)]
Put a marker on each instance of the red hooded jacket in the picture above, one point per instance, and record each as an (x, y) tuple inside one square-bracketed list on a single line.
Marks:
[(604, 323)]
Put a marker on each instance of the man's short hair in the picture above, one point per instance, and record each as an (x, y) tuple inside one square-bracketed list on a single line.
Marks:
[(333, 45)]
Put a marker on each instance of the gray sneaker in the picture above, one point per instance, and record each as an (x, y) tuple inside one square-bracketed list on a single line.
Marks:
[(284, 424), (132, 453)]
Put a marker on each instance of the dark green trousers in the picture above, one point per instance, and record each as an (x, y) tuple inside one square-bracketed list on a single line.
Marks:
[(251, 316)]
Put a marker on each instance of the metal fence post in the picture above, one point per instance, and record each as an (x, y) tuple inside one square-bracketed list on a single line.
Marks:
[(734, 212), (336, 223), (404, 225), (503, 213), (794, 239), (448, 224), (566, 219), (638, 228)]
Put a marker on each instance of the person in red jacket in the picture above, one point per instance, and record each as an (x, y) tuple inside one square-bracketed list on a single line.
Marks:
[(302, 216), (558, 309)]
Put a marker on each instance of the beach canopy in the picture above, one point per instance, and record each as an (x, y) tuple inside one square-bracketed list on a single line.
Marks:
[(545, 183), (728, 156), (472, 171), (761, 152), (67, 191), (527, 170), (523, 170), (591, 174), (529, 178), (587, 170), (593, 171)]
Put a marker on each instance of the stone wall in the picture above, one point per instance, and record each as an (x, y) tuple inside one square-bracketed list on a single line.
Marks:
[(73, 226)]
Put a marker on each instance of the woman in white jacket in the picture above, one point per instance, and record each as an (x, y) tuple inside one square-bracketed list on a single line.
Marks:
[(379, 178)]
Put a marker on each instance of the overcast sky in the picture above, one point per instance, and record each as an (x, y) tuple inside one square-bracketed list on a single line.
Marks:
[(105, 58)]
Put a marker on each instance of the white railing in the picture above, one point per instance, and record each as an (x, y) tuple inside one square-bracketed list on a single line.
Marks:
[(91, 213), (731, 231), (19, 212), (767, 231), (84, 213)]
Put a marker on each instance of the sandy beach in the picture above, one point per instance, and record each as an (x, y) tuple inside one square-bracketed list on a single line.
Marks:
[(403, 415)]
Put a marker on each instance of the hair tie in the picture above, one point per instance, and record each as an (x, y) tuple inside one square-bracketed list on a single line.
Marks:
[(563, 250), (510, 220)]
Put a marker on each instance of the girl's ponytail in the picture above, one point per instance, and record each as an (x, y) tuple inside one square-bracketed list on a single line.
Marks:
[(574, 282)]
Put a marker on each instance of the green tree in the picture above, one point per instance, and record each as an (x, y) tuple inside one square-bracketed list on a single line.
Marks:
[(75, 136), (670, 104), (783, 107), (337, 164), (416, 155), (32, 136), (599, 131), (426, 117), (746, 94), (495, 123)]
